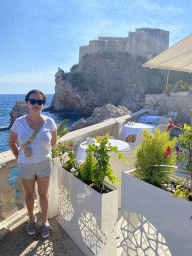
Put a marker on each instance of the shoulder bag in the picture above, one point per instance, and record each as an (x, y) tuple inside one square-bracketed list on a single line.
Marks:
[(27, 149)]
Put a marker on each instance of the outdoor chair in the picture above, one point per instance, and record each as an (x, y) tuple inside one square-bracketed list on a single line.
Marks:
[(138, 140), (162, 128), (164, 120)]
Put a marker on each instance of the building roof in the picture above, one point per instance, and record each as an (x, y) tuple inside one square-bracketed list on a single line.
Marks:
[(178, 57)]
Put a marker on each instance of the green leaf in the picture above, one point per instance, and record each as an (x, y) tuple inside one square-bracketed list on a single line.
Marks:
[(120, 156), (178, 186), (189, 166), (181, 194), (177, 193)]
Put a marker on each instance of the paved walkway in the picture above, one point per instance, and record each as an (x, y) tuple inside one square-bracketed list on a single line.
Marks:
[(19, 243)]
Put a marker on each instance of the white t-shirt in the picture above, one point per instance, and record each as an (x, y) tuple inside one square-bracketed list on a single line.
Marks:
[(40, 146)]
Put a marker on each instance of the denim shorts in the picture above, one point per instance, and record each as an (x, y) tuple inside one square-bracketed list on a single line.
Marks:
[(29, 171)]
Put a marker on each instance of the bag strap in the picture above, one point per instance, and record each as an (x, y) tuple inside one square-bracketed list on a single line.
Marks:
[(33, 136)]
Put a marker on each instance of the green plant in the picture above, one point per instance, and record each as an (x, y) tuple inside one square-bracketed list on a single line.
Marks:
[(151, 158), (153, 104), (141, 59), (60, 150), (71, 163), (66, 76), (178, 87), (107, 55), (184, 156), (94, 82), (62, 130), (86, 169), (77, 79), (74, 68), (96, 166)]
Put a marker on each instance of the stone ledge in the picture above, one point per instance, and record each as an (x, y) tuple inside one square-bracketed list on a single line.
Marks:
[(6, 226)]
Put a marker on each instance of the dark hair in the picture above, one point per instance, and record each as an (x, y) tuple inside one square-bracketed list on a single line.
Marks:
[(35, 91)]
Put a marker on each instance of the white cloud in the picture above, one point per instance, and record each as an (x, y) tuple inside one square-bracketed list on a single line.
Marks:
[(152, 6), (91, 4), (27, 77), (148, 6)]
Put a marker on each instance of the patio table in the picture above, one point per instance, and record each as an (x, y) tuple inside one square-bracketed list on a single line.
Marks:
[(149, 119), (81, 154), (130, 129)]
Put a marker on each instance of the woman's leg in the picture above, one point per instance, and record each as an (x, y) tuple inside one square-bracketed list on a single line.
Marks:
[(43, 184), (29, 186)]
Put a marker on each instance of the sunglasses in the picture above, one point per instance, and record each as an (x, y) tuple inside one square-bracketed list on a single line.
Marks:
[(39, 102)]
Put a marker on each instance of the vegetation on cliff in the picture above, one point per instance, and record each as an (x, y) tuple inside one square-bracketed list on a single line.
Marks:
[(103, 78)]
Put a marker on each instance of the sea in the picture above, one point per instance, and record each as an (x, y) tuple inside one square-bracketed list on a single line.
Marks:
[(7, 102)]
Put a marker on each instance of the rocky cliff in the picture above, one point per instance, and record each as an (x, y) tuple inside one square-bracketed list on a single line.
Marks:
[(100, 79), (101, 114)]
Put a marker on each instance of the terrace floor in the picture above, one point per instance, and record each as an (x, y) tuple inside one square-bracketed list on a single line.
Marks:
[(18, 242)]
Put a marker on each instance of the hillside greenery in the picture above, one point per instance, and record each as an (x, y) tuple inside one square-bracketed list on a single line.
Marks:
[(83, 82)]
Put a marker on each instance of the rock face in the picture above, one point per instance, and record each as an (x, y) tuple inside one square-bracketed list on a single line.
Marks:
[(18, 110), (100, 114), (103, 78)]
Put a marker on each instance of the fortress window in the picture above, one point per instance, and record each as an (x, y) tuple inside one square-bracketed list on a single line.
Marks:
[(116, 40), (137, 40)]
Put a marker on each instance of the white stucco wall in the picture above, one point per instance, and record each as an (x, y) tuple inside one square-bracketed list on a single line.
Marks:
[(177, 103)]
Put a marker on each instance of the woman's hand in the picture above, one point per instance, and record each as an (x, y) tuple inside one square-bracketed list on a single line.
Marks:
[(12, 144)]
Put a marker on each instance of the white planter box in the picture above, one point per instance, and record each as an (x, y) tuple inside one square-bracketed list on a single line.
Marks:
[(87, 216), (159, 222), (52, 191)]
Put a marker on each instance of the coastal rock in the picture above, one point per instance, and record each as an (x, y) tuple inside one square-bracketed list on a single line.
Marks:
[(103, 78), (100, 114), (18, 110)]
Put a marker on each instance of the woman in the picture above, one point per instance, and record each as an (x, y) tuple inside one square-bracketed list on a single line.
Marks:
[(38, 166)]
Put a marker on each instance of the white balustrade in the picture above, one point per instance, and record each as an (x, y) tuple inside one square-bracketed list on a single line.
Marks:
[(7, 192)]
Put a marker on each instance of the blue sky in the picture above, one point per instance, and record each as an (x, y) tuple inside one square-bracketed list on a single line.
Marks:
[(37, 37)]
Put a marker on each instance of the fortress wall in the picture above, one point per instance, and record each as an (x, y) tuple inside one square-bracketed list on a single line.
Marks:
[(146, 42), (83, 50)]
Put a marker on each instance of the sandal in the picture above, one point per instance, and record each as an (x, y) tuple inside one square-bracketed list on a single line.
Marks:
[(31, 228), (45, 229)]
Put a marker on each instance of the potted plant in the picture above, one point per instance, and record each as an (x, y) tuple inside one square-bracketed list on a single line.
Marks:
[(184, 155), (88, 209), (179, 88), (153, 105), (150, 211), (154, 153)]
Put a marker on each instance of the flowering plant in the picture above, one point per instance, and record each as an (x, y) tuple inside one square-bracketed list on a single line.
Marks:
[(155, 158), (184, 156), (61, 150)]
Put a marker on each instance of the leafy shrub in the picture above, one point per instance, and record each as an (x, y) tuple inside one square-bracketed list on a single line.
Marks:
[(77, 80), (151, 156), (178, 87), (66, 76), (86, 169), (107, 55), (62, 130), (96, 166), (141, 59), (74, 68), (94, 83)]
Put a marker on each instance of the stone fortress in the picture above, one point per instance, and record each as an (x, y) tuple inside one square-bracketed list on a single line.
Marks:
[(146, 42)]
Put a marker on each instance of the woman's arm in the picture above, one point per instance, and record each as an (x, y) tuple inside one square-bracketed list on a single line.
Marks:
[(12, 144), (54, 138)]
